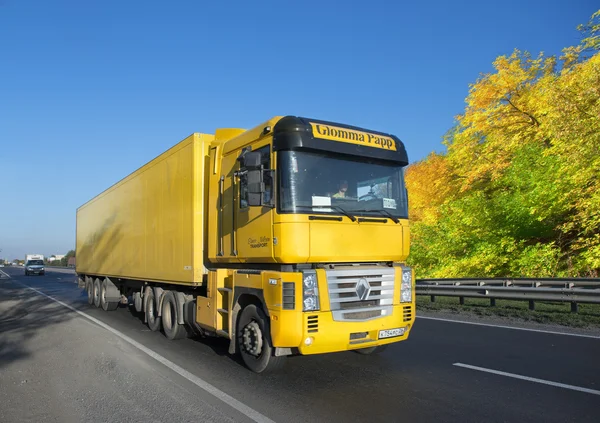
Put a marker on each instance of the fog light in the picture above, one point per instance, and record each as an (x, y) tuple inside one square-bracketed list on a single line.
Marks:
[(308, 341)]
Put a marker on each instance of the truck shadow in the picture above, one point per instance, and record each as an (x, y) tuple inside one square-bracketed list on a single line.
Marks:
[(23, 315), (220, 346)]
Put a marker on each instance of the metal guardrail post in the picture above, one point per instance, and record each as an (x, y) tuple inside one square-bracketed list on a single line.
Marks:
[(531, 305), (433, 298), (574, 307), (461, 300), (492, 302)]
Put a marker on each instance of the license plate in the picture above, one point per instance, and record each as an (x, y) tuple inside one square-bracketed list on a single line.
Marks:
[(390, 333)]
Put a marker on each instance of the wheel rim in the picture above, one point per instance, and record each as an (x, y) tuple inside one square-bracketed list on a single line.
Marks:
[(252, 339), (96, 293)]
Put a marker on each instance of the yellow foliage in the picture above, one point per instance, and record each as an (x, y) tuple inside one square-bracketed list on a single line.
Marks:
[(429, 185), (518, 191)]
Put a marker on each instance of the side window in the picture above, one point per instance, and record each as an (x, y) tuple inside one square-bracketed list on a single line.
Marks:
[(265, 154)]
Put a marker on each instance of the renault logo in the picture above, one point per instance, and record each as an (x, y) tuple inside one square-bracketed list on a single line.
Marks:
[(363, 289)]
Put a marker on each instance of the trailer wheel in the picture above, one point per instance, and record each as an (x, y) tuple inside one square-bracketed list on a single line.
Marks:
[(89, 287), (137, 302), (97, 292), (152, 318), (254, 341), (372, 350), (171, 328), (106, 305)]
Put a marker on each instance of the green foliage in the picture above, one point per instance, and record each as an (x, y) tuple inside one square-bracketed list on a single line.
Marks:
[(518, 192)]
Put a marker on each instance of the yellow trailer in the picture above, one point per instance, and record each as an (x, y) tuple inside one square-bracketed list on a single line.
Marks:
[(289, 238)]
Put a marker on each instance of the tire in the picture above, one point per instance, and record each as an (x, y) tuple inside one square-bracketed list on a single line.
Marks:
[(253, 334), (89, 287), (138, 302), (42, 273), (153, 321), (169, 315), (26, 273), (97, 292), (372, 350), (106, 306)]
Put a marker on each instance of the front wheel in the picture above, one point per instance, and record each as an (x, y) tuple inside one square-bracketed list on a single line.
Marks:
[(254, 342)]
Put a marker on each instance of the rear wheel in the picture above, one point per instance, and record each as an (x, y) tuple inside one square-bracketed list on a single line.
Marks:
[(170, 314), (89, 287), (372, 350), (137, 302), (152, 318), (254, 341), (26, 273), (106, 305), (97, 292)]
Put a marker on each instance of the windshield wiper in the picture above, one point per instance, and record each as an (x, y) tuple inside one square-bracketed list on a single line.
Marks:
[(351, 217), (383, 212), (338, 208)]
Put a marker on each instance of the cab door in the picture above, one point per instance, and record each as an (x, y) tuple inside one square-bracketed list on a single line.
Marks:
[(254, 224)]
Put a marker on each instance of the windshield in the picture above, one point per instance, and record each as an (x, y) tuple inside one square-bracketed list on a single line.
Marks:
[(35, 262), (311, 181)]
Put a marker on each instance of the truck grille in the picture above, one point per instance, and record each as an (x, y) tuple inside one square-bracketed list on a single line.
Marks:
[(358, 293)]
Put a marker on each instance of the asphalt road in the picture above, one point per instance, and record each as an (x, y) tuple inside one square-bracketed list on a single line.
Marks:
[(58, 365)]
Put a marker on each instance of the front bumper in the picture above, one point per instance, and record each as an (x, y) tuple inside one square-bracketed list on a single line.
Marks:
[(326, 335)]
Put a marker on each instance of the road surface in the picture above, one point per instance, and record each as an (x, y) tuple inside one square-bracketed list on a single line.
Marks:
[(60, 365)]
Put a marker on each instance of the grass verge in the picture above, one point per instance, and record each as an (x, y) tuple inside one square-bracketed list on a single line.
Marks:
[(588, 315)]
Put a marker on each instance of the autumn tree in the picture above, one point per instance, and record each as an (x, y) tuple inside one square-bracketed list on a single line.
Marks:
[(517, 192)]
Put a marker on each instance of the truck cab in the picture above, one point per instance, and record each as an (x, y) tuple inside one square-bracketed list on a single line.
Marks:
[(313, 217)]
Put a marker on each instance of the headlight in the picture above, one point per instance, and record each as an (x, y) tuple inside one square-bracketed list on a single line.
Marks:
[(310, 291), (406, 285)]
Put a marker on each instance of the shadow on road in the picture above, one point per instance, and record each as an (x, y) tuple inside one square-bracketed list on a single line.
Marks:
[(219, 345), (23, 314)]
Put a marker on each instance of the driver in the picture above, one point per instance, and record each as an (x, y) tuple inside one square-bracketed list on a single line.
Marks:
[(343, 187)]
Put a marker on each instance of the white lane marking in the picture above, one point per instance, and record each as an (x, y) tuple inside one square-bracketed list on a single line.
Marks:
[(216, 392), (530, 379), (510, 327), (6, 275)]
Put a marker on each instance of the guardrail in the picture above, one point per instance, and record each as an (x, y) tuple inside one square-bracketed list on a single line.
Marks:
[(565, 290)]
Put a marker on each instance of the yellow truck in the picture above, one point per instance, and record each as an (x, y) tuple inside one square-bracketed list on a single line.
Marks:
[(288, 238)]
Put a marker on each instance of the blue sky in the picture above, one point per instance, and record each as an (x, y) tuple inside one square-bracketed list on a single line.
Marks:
[(91, 90)]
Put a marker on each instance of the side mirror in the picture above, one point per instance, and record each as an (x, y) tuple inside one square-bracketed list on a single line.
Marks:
[(256, 186), (252, 160)]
